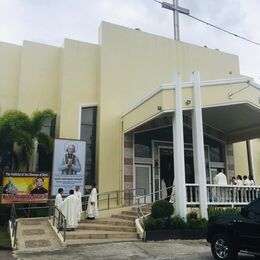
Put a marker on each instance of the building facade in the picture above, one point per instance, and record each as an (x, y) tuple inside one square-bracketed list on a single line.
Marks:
[(120, 97)]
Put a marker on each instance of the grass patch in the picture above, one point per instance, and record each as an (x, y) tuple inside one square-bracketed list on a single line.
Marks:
[(4, 237)]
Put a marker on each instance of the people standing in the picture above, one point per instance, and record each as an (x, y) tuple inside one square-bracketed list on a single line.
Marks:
[(92, 209), (79, 196), (246, 181), (220, 178), (69, 208), (252, 182), (239, 183), (58, 198), (252, 190), (58, 201), (233, 181), (239, 180)]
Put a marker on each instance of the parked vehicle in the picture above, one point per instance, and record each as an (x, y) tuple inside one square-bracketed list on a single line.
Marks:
[(232, 233)]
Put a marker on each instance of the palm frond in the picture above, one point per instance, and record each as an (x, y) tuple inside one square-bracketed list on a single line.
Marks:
[(39, 118), (45, 142)]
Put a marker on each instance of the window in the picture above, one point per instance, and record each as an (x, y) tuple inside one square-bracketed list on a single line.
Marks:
[(45, 159), (88, 134), (254, 207)]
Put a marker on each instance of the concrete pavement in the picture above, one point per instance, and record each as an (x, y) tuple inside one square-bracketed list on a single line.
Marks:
[(163, 250)]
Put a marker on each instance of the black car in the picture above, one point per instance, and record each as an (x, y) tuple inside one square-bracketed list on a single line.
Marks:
[(231, 233)]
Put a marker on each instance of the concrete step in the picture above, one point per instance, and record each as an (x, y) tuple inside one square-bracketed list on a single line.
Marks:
[(134, 213), (89, 226), (130, 213), (100, 241), (110, 221), (124, 217), (98, 234)]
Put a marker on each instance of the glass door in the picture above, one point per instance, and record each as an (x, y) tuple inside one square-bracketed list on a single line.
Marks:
[(143, 183)]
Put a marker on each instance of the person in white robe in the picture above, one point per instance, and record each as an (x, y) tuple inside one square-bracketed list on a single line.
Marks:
[(58, 201), (69, 208), (163, 189), (92, 209), (78, 194), (221, 180)]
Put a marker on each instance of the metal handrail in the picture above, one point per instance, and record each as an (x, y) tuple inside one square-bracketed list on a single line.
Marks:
[(13, 225), (139, 210), (59, 219), (109, 197)]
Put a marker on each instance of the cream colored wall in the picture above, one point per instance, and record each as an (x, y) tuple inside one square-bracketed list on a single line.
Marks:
[(10, 56), (132, 64), (38, 77), (79, 81), (114, 75), (255, 144), (240, 159)]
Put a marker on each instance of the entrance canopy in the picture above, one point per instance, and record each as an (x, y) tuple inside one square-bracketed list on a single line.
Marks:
[(231, 106)]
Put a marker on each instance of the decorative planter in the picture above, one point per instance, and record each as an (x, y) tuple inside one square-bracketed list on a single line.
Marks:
[(165, 234)]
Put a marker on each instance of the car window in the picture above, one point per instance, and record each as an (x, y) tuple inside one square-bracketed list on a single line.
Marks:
[(254, 209)]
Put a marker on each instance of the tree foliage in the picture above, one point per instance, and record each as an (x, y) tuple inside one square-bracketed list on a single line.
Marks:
[(17, 134)]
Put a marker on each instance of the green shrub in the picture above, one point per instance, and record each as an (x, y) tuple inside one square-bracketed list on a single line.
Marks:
[(4, 237), (198, 223), (192, 215), (215, 211), (5, 213), (177, 223), (162, 209), (151, 223)]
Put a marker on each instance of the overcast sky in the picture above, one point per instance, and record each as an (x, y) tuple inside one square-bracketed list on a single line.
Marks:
[(50, 21)]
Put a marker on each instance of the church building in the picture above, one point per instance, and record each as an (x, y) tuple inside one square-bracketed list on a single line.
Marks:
[(151, 110)]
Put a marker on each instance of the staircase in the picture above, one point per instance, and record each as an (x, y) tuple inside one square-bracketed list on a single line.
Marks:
[(118, 227), (36, 234)]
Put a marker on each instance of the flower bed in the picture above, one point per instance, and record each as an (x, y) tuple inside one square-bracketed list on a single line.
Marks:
[(166, 234)]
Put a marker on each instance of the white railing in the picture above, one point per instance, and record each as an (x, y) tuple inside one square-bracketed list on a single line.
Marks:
[(230, 195), (192, 194)]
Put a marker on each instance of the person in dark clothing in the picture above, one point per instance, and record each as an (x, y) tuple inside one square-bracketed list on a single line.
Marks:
[(39, 187)]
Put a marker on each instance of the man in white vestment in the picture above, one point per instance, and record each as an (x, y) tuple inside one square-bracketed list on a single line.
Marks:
[(69, 208), (77, 193), (92, 209), (58, 201), (58, 198), (220, 179)]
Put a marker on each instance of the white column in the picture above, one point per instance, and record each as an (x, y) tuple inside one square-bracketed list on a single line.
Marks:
[(178, 155), (198, 146)]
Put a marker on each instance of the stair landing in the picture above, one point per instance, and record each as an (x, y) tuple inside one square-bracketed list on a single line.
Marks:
[(36, 234)]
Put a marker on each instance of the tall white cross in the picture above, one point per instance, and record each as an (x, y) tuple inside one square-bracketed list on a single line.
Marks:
[(176, 10)]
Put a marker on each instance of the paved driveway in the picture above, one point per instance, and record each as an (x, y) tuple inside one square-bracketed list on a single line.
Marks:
[(164, 250)]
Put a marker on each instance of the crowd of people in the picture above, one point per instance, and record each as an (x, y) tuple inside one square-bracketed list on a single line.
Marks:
[(237, 194), (221, 179), (71, 207), (238, 180)]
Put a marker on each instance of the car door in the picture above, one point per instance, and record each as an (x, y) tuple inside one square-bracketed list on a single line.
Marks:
[(248, 226)]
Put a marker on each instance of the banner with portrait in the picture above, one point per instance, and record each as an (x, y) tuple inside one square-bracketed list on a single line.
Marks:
[(68, 165), (25, 187)]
